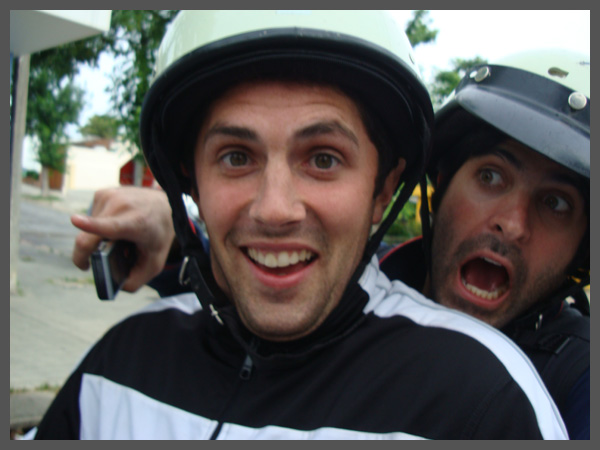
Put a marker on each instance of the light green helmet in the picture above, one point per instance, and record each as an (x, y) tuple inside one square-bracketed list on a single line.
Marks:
[(539, 97), (364, 53), (567, 67)]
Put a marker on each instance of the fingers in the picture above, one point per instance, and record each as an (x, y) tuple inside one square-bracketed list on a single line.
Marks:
[(139, 215), (94, 229), (85, 245), (144, 270), (109, 227)]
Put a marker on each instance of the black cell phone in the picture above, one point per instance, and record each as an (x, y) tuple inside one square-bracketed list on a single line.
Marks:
[(111, 265)]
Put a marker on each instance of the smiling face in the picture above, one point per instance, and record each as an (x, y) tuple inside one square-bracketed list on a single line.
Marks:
[(507, 227), (286, 176)]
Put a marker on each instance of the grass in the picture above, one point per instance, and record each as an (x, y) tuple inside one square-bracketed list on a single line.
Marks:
[(71, 281), (46, 387), (49, 198)]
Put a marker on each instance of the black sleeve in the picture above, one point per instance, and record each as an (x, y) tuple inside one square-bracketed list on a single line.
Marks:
[(61, 420), (496, 418)]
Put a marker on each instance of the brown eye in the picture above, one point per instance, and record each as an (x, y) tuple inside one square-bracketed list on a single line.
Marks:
[(489, 177), (556, 203), (236, 159), (324, 161)]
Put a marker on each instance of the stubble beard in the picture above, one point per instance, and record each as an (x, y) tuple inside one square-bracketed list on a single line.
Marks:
[(289, 314), (523, 292)]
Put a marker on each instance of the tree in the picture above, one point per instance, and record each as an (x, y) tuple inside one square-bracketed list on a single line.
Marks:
[(54, 102), (418, 31), (446, 80), (134, 36), (103, 126)]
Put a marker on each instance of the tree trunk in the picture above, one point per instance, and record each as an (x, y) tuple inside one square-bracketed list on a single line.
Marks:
[(45, 181)]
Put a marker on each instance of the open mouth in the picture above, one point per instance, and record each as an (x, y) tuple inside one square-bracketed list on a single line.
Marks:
[(281, 262), (485, 278)]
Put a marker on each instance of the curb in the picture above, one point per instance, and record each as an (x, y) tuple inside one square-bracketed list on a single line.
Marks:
[(28, 408)]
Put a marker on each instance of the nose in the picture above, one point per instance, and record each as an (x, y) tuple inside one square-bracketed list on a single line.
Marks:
[(511, 217), (277, 202)]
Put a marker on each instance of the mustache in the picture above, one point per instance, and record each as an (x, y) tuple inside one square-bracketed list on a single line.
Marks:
[(507, 250), (256, 231), (491, 242)]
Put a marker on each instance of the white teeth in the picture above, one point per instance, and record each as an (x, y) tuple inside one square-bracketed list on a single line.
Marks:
[(270, 260), (279, 259), (492, 262), (488, 295)]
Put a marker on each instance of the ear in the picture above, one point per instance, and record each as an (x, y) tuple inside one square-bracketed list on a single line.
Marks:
[(389, 188)]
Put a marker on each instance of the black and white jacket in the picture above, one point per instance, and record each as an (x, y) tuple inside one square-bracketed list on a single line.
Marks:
[(387, 364)]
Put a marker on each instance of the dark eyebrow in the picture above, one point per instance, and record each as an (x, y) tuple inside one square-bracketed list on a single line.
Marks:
[(328, 127), (569, 178), (558, 176), (232, 131), (504, 154)]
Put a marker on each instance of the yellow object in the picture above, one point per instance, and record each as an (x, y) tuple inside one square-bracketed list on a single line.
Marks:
[(417, 193)]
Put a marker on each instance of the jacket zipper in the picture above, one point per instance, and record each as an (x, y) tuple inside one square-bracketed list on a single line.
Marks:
[(244, 375)]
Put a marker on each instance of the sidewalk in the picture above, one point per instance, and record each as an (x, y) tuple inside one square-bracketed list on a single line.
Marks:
[(56, 315)]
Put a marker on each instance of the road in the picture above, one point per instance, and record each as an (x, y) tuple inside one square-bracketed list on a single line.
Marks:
[(56, 315)]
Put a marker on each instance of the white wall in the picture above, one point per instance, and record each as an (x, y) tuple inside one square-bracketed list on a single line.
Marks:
[(96, 168)]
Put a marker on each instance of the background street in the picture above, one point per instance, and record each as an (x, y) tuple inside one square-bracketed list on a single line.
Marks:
[(55, 315)]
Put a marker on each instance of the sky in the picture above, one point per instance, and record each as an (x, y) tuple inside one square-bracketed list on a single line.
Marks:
[(462, 34)]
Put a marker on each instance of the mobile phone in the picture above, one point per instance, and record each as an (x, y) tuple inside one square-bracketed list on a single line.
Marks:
[(111, 265)]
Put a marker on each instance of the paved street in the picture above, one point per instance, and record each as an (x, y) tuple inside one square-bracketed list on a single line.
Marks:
[(55, 315)]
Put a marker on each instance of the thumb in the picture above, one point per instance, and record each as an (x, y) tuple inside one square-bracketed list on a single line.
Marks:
[(107, 227)]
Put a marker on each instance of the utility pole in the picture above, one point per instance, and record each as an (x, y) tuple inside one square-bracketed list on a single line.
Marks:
[(17, 133)]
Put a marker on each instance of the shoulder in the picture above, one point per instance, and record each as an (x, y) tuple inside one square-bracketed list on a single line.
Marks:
[(576, 412), (444, 327), (186, 303), (169, 319)]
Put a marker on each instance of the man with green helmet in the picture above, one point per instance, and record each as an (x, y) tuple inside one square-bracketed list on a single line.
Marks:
[(292, 131), (510, 237)]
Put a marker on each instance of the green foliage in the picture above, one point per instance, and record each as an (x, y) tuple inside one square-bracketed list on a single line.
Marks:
[(446, 80), (53, 103), (103, 126), (53, 100), (31, 174), (134, 36), (405, 227), (63, 61), (417, 29)]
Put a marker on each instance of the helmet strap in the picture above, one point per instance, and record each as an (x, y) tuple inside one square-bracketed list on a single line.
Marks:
[(191, 246), (426, 223), (397, 206)]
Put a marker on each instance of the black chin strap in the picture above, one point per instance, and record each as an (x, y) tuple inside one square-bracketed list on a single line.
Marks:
[(425, 223), (535, 317), (191, 246), (577, 292)]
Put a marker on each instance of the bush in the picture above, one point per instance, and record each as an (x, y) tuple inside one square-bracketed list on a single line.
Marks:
[(405, 227), (31, 174)]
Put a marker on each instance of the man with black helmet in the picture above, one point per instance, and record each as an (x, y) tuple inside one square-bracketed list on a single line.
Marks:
[(510, 237), (292, 131)]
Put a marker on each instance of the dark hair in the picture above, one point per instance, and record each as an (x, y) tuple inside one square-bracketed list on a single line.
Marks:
[(479, 141)]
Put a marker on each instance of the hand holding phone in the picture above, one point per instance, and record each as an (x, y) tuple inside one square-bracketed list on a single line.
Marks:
[(111, 265)]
